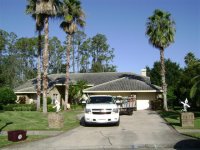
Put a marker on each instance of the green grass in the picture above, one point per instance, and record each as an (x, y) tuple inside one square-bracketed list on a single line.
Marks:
[(173, 118), (4, 140), (31, 120), (196, 135)]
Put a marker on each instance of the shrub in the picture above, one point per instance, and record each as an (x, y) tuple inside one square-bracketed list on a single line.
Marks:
[(20, 107), (49, 100), (50, 108), (1, 106), (7, 96)]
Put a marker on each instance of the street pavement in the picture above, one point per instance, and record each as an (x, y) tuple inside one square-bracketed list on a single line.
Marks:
[(143, 130)]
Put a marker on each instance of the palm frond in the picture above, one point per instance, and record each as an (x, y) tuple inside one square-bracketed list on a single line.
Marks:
[(160, 29)]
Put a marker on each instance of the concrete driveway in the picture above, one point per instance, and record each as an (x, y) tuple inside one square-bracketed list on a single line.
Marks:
[(144, 129)]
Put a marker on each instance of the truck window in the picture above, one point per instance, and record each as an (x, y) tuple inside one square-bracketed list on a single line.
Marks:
[(94, 100)]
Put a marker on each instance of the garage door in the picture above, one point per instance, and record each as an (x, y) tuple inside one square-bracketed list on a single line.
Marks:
[(142, 104)]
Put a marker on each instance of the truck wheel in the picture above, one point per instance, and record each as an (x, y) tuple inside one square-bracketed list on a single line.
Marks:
[(117, 124), (85, 124), (130, 111)]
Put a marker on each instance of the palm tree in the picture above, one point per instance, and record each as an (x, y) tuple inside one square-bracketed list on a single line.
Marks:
[(73, 17), (161, 31), (46, 9), (30, 9)]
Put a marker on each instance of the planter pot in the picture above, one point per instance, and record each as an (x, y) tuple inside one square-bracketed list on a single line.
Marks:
[(16, 135), (56, 120)]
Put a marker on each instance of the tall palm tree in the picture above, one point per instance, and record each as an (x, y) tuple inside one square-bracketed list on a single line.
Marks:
[(73, 18), (30, 9), (161, 31), (46, 9)]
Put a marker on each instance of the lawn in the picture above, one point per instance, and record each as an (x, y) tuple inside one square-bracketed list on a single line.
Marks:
[(32, 120), (173, 118)]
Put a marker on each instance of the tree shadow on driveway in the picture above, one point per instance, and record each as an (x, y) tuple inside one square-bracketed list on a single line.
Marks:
[(188, 144)]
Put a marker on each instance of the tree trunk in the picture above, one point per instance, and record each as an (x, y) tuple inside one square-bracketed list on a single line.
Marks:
[(78, 58), (39, 71), (73, 56), (69, 38), (164, 85), (45, 63)]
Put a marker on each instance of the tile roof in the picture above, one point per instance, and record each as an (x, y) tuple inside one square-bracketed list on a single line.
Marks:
[(91, 78), (124, 84)]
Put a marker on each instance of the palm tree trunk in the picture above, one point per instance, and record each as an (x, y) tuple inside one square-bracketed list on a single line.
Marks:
[(73, 56), (45, 63), (69, 38), (164, 85), (39, 71), (78, 58)]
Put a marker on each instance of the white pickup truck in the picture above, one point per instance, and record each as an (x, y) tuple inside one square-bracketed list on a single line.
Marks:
[(101, 109)]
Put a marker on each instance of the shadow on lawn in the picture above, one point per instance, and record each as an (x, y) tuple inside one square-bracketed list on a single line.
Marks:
[(170, 114), (7, 123)]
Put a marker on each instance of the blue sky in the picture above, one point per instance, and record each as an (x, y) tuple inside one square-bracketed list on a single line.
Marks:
[(123, 23)]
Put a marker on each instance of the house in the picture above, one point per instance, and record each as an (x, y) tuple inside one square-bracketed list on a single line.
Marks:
[(106, 83)]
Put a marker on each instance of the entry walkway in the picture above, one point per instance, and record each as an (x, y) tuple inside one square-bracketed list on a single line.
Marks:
[(144, 129)]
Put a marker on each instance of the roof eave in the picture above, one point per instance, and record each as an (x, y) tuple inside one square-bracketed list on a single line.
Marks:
[(131, 91), (25, 92)]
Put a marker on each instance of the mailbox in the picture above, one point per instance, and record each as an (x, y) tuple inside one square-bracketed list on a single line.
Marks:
[(16, 135)]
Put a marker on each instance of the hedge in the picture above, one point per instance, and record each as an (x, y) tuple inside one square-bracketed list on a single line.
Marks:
[(20, 107)]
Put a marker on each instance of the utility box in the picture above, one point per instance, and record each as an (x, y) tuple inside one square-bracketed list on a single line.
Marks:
[(16, 135), (187, 119)]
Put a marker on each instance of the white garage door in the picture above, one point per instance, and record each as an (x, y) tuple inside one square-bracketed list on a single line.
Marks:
[(142, 104)]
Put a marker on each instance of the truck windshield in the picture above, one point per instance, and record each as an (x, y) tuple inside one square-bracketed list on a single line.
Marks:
[(105, 99)]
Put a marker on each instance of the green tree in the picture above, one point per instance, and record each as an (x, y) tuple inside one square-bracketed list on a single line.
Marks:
[(78, 39), (26, 50), (161, 30), (173, 75), (48, 9), (10, 64), (7, 96), (84, 54), (3, 42), (73, 18), (76, 91), (56, 56), (190, 59), (188, 86), (101, 53)]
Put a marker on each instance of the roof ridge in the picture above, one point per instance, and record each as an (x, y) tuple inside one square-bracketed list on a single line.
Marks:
[(105, 83)]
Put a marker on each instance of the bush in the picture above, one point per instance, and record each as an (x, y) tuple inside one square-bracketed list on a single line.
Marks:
[(1, 106), (20, 107), (7, 96), (50, 108), (49, 100)]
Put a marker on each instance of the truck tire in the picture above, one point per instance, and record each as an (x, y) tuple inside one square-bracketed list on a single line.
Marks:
[(130, 111), (117, 123)]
